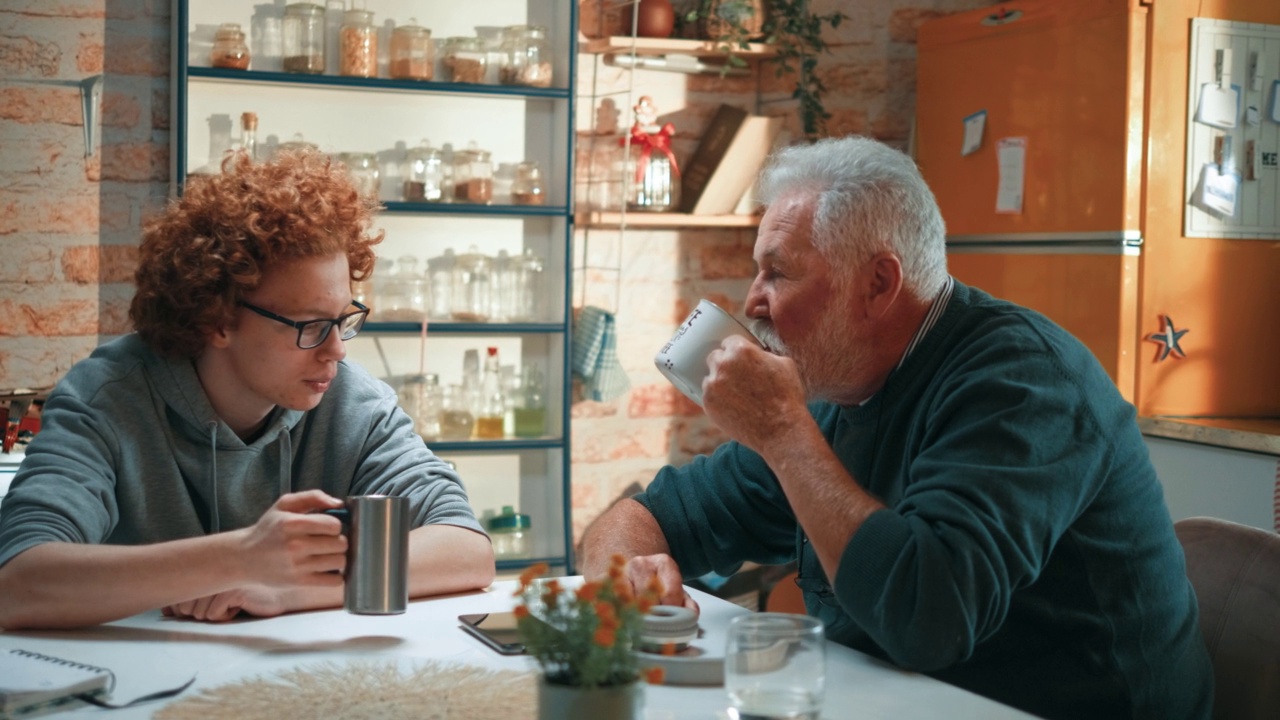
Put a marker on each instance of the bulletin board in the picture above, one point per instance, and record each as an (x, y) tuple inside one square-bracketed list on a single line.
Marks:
[(1233, 130)]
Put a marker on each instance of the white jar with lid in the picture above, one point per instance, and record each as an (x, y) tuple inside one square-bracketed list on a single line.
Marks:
[(510, 533)]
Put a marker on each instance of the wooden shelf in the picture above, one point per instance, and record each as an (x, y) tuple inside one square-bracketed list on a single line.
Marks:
[(664, 220), (619, 44)]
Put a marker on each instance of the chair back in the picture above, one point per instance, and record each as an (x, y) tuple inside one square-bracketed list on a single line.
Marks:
[(1235, 570)]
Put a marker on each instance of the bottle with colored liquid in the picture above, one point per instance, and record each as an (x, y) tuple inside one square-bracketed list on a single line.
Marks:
[(492, 401), (531, 404)]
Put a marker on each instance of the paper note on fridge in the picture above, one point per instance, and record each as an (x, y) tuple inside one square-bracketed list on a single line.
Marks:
[(1218, 106), (1011, 154), (1218, 190), (973, 127)]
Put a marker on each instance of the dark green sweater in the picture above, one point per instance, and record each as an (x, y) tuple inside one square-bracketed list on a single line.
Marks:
[(1026, 553)]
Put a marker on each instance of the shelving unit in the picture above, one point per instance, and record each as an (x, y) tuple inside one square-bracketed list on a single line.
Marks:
[(385, 116), (599, 219)]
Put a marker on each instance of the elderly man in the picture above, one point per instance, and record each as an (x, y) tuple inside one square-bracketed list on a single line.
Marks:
[(182, 467), (963, 489)]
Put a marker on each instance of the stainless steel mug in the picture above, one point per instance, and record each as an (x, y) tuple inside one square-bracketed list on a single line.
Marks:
[(377, 575)]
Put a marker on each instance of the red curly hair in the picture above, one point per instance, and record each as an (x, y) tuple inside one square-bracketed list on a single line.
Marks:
[(210, 247)]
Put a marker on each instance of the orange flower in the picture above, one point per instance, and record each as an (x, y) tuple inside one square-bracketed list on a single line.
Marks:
[(588, 591), (655, 586), (615, 572), (645, 604), (520, 612), (624, 594), (605, 612), (616, 560), (531, 572), (605, 637), (668, 648), (655, 675)]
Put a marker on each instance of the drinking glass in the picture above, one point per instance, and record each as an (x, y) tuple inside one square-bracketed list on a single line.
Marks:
[(775, 667)]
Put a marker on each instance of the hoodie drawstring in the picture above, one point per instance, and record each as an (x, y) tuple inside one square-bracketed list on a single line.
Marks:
[(215, 523)]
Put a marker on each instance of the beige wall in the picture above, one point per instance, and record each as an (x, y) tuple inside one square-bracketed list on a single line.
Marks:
[(69, 224)]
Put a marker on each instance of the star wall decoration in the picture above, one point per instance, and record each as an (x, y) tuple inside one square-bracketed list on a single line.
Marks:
[(1168, 339)]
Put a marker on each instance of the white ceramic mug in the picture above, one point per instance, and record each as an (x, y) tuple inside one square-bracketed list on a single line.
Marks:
[(683, 360)]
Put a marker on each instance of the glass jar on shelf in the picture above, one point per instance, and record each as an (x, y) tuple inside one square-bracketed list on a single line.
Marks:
[(464, 59), (358, 41), (472, 286), (529, 271), (456, 420), (526, 56), (510, 534), (502, 294), (412, 57), (472, 176), (650, 177), (440, 281), (531, 403), (229, 49), (295, 144), (363, 169), (526, 188), (423, 174), (420, 397), (303, 30)]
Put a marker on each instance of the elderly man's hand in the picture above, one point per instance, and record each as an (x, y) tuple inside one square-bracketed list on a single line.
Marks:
[(644, 571), (752, 394)]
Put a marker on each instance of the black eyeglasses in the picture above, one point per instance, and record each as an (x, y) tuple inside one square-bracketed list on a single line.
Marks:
[(311, 333)]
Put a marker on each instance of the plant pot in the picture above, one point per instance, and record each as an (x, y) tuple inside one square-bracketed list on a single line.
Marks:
[(568, 702), (734, 18)]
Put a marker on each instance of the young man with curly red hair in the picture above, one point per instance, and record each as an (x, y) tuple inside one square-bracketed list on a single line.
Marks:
[(180, 467)]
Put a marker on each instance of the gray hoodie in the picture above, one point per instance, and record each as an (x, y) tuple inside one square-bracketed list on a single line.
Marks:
[(131, 452)]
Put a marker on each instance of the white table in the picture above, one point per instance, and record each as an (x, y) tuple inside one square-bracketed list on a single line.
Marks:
[(149, 652)]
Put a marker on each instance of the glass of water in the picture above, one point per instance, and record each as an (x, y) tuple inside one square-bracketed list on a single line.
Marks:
[(775, 667)]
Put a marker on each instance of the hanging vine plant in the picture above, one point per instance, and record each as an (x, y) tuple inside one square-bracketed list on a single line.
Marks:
[(791, 28)]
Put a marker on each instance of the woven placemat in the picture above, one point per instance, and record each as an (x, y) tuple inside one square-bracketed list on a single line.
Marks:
[(375, 690)]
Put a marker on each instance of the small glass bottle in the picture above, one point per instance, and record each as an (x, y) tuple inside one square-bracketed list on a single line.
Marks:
[(359, 44), (423, 174), (412, 57), (510, 534), (502, 294), (526, 56), (531, 403), (527, 189), (472, 176), (652, 182), (229, 49), (464, 59), (456, 420), (303, 29), (249, 134), (493, 404)]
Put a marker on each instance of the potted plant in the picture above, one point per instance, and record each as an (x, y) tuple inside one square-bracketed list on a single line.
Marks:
[(794, 31), (585, 640)]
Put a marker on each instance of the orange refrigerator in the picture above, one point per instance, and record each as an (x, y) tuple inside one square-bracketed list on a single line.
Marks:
[(1053, 134)]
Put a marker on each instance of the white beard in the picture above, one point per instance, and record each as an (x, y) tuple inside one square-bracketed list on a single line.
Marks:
[(829, 365)]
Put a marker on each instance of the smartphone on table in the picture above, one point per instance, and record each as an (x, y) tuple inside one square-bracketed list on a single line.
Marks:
[(497, 630)]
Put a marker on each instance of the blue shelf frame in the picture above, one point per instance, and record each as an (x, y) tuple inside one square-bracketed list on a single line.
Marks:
[(182, 73)]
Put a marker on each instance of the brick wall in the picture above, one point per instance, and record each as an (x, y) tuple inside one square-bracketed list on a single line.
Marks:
[(69, 224), (870, 77)]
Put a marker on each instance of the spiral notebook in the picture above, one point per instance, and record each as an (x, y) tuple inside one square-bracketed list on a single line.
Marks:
[(29, 680)]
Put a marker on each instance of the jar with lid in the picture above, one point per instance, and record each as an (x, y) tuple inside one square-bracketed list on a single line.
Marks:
[(412, 57), (363, 169), (510, 534), (464, 59), (531, 403), (527, 188), (649, 172), (229, 48), (423, 174), (472, 176), (529, 271), (456, 420), (440, 280), (502, 293), (420, 397), (358, 39), (303, 30), (526, 56), (472, 285)]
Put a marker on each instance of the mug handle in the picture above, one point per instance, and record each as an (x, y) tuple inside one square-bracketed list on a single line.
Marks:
[(342, 514)]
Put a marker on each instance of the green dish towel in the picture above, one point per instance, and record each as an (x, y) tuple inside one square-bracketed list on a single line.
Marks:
[(595, 355)]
